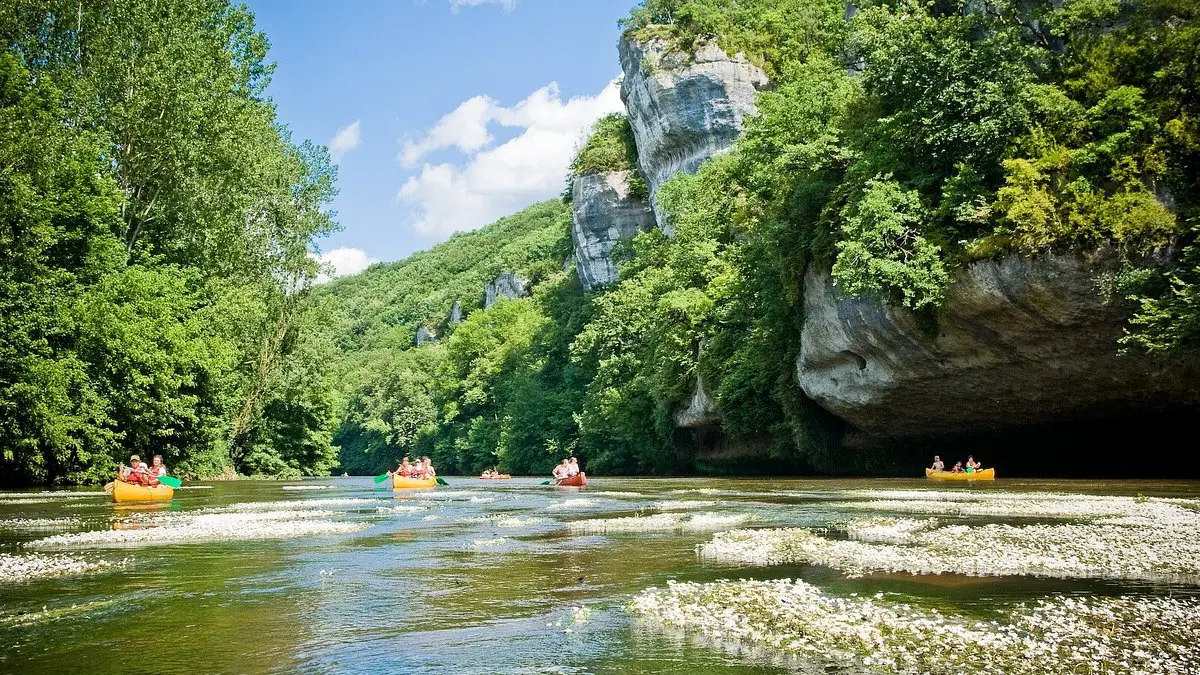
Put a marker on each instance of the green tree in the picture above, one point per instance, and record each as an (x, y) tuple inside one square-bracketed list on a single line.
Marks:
[(159, 223)]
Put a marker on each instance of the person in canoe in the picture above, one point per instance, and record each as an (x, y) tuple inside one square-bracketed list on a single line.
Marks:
[(157, 468), (958, 468), (423, 469), (405, 469), (938, 464), (561, 471), (572, 467), (972, 465), (136, 473)]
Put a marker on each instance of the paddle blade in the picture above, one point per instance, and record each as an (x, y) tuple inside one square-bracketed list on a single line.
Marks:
[(170, 481), (382, 477), (441, 482), (545, 482)]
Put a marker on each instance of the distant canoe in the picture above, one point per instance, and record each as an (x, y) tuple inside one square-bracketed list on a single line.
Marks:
[(502, 476), (578, 480), (982, 474), (404, 483), (128, 492)]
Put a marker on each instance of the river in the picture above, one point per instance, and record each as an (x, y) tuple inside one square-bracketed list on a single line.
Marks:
[(339, 575)]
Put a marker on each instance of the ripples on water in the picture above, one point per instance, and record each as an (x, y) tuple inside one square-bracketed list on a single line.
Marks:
[(339, 575)]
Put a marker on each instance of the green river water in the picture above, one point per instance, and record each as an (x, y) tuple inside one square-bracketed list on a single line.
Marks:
[(477, 577)]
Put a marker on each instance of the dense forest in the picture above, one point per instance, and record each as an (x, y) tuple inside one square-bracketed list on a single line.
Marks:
[(156, 222), (159, 221)]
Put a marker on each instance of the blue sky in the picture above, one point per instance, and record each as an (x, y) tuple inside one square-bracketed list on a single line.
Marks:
[(442, 115)]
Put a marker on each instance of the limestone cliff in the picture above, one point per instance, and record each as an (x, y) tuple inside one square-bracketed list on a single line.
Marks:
[(683, 107), (505, 286), (1019, 342), (701, 411), (604, 213), (424, 334)]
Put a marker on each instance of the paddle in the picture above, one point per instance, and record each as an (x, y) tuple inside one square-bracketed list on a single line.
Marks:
[(170, 481), (440, 481)]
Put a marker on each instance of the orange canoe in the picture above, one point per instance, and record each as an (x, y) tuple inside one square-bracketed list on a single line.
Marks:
[(578, 480)]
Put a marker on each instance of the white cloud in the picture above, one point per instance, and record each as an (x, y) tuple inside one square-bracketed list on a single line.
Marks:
[(464, 128), (494, 181), (456, 5), (345, 140), (344, 261)]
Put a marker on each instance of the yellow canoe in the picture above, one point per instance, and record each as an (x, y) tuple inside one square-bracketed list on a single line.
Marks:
[(128, 492), (402, 483), (982, 474)]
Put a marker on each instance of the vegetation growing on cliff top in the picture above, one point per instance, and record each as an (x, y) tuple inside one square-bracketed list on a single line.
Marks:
[(609, 147), (775, 34)]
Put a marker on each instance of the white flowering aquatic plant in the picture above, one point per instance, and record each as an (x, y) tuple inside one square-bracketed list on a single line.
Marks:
[(180, 528), (294, 504), (1111, 537), (1062, 634), (494, 542), (403, 508), (15, 568), (39, 524), (1015, 505), (887, 530), (515, 521), (662, 522), (683, 505), (575, 504)]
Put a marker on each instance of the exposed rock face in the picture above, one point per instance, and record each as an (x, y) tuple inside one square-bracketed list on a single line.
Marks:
[(604, 213), (456, 313), (424, 334), (505, 286), (1020, 342), (684, 108), (700, 412)]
